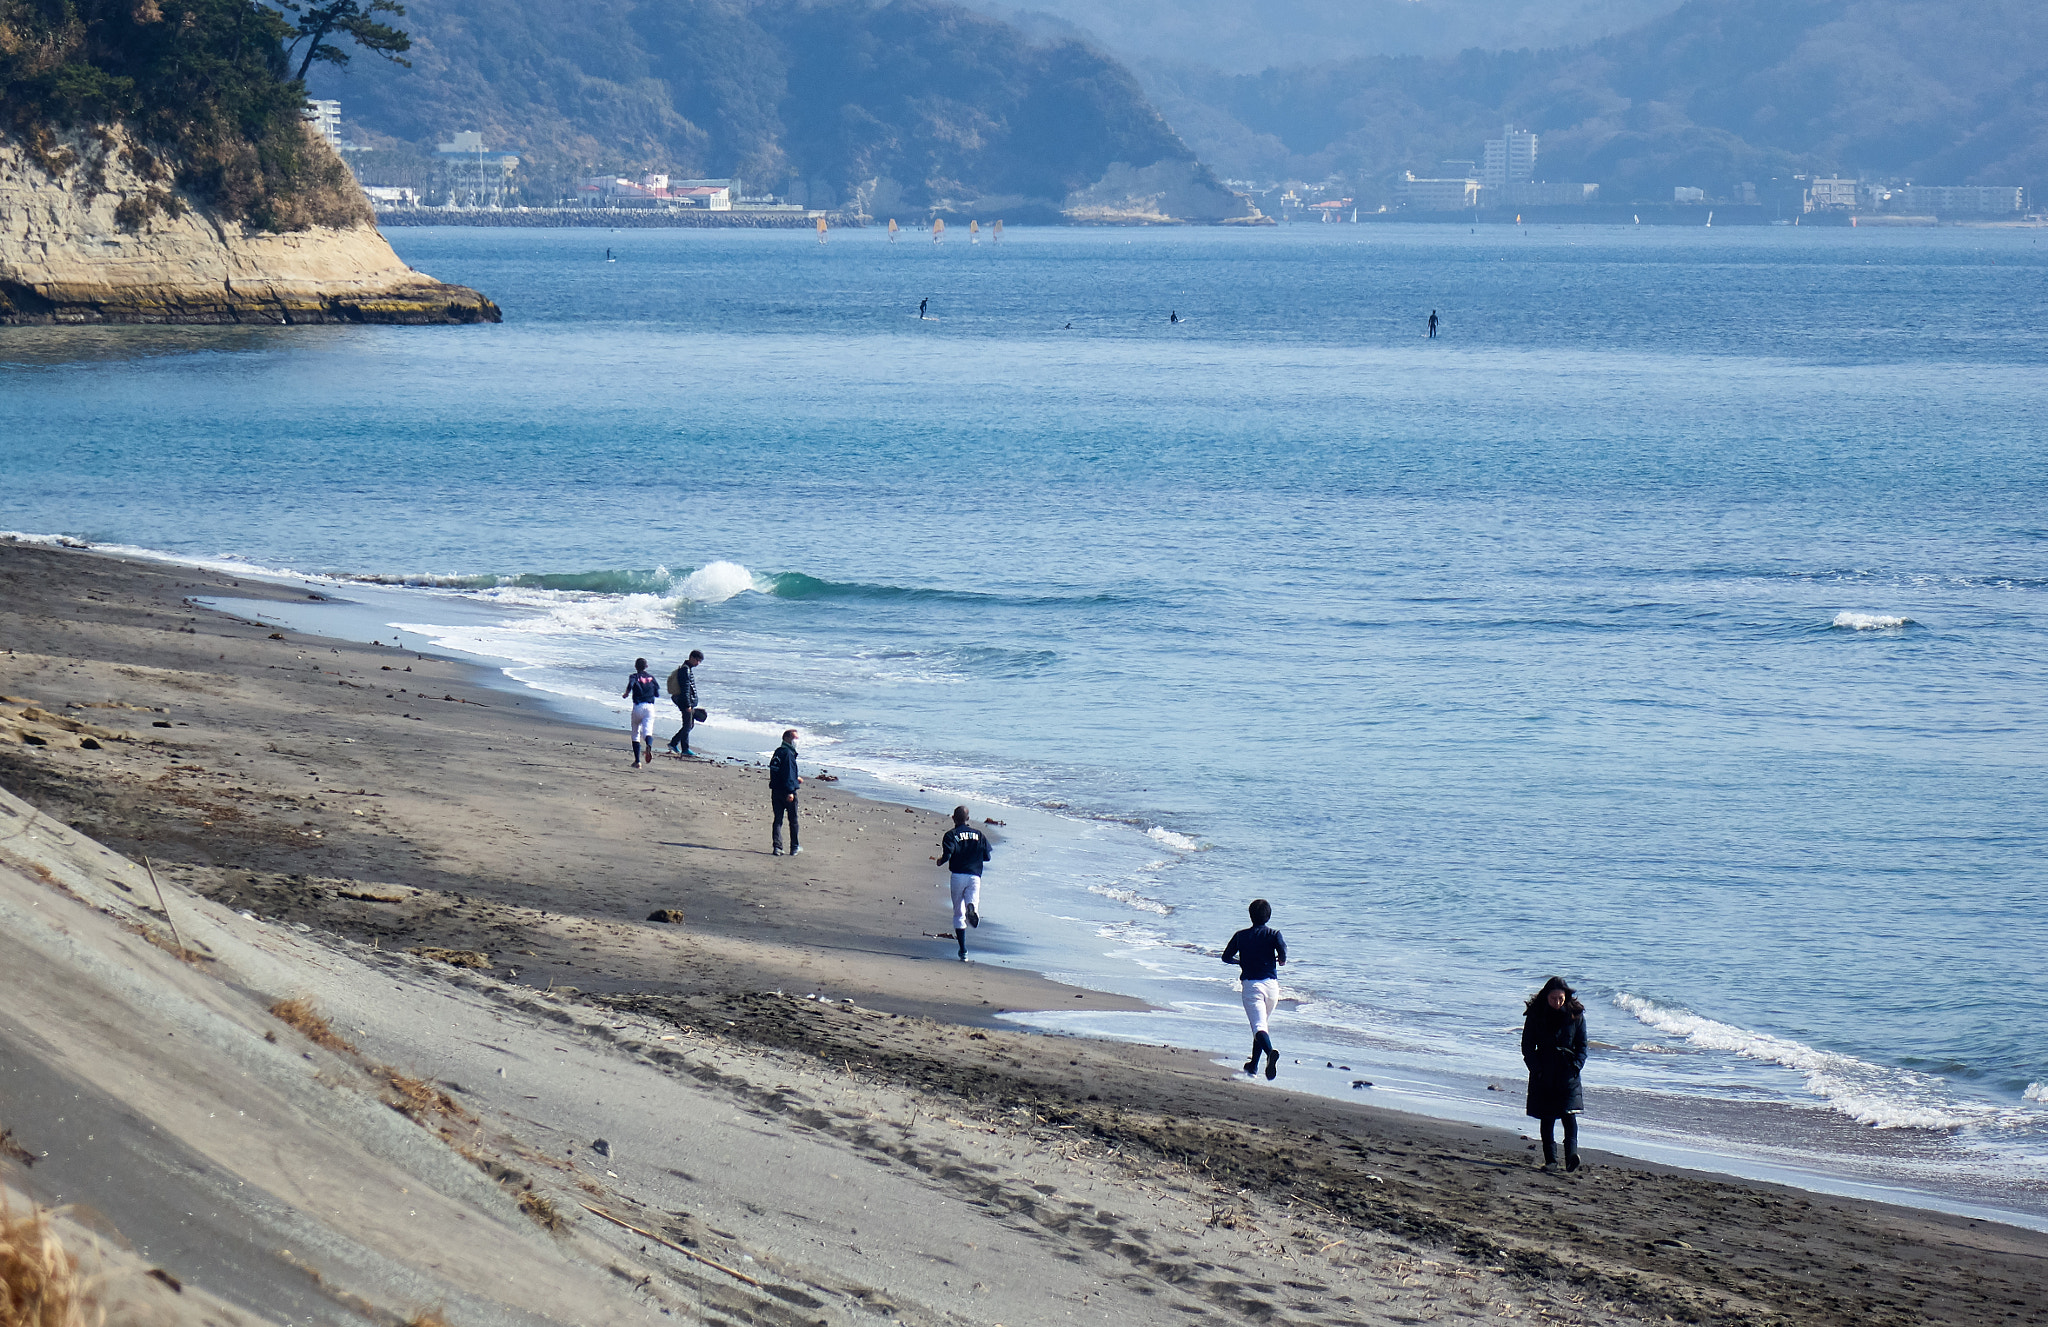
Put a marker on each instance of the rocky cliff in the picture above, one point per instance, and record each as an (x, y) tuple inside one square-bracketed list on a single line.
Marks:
[(91, 231)]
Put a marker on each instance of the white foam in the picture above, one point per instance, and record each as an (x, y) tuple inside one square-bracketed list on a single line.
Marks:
[(716, 582), (1867, 1093), (2035, 1092), (1131, 898), (1177, 842), (1870, 621)]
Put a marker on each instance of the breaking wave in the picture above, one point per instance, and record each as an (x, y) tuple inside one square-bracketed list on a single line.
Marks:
[(1178, 842), (2035, 1092), (1867, 1093), (1852, 621)]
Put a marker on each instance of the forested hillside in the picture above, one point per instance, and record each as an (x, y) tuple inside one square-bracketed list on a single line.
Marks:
[(905, 104), (1715, 92)]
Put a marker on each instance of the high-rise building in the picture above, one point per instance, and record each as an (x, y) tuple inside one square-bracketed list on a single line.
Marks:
[(1510, 159), (325, 117)]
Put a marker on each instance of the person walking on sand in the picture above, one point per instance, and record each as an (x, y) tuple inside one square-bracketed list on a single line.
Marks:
[(1432, 324), (643, 690), (682, 689), (1554, 1048), (783, 781), (1259, 952), (965, 852)]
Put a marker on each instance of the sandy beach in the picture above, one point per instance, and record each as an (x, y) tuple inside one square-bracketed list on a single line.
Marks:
[(810, 1112)]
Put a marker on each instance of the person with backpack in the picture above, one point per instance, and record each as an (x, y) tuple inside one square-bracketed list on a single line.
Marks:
[(1259, 952), (682, 689), (643, 690), (783, 781), (965, 852), (1554, 1049)]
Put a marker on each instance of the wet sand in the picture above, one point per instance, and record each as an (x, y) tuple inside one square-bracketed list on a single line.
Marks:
[(383, 798)]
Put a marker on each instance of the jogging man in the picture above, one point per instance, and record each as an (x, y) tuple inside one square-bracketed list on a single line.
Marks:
[(1259, 953), (783, 781), (965, 852), (643, 690), (682, 689)]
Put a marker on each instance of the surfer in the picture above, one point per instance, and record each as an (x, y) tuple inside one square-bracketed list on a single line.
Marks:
[(921, 305), (682, 689), (1173, 317), (608, 256), (1259, 952), (964, 852), (642, 690), (1432, 324)]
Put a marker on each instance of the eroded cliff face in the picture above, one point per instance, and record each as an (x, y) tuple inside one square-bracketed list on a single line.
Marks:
[(91, 233), (1164, 192)]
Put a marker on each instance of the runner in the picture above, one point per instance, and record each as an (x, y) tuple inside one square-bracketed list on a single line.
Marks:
[(1259, 952), (643, 689), (965, 852)]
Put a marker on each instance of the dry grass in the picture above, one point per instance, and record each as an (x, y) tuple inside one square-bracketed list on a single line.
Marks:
[(300, 1014), (40, 1281), (418, 1099), (542, 1210), (427, 1318)]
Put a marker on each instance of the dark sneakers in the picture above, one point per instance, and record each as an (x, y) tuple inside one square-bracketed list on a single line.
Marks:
[(1272, 1065), (973, 917)]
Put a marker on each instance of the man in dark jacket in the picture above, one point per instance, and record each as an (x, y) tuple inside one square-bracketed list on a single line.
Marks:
[(783, 781), (641, 689), (965, 852), (682, 689), (1259, 952)]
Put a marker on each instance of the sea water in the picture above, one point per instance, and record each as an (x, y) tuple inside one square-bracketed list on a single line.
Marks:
[(1673, 622)]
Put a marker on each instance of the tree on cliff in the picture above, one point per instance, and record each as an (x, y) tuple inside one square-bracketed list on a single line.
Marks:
[(204, 90), (317, 22)]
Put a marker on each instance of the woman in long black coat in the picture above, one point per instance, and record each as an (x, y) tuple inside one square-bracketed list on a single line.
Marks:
[(1554, 1048)]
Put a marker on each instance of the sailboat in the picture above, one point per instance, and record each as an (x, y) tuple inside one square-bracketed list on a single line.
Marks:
[(938, 229), (999, 228), (1710, 217), (974, 232), (1354, 216), (892, 230), (821, 230)]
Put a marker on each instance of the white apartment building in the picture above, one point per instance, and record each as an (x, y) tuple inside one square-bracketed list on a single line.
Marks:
[(1827, 192), (1435, 195), (1977, 200), (1510, 159), (325, 117)]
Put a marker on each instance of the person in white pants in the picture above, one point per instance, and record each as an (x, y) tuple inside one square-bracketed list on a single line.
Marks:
[(643, 690), (965, 852), (1259, 952)]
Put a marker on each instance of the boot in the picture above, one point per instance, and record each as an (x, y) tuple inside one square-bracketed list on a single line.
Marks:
[(1549, 1154), (1571, 1161)]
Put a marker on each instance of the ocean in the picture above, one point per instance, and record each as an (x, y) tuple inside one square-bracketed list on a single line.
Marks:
[(1673, 622)]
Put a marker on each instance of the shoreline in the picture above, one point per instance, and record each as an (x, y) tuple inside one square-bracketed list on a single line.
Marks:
[(1656, 1137), (296, 779)]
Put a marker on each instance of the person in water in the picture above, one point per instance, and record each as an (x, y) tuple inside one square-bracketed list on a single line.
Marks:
[(682, 689), (1173, 317), (643, 690), (1554, 1048), (783, 781), (965, 852), (1432, 324), (921, 305), (1259, 952)]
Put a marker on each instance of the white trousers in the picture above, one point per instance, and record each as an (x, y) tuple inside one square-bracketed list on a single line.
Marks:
[(643, 723), (966, 894), (1260, 999)]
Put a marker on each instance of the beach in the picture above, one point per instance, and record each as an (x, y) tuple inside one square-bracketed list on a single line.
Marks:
[(444, 866)]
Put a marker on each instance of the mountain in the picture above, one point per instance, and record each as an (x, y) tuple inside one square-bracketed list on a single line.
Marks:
[(1237, 38), (899, 106), (1716, 92)]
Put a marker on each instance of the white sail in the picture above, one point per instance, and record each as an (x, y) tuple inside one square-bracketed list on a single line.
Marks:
[(892, 230), (938, 229)]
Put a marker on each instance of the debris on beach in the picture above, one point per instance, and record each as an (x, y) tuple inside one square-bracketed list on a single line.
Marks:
[(673, 916), (460, 958)]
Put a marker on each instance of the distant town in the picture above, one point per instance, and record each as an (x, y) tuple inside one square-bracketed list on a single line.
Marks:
[(1503, 181)]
